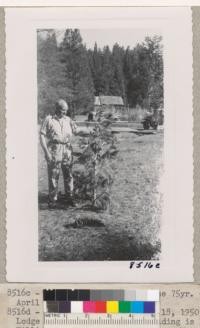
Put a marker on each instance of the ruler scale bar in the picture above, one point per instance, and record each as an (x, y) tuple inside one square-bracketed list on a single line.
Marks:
[(116, 320), (110, 326)]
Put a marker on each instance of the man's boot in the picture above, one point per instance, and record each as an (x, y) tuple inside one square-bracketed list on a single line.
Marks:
[(52, 204), (70, 201)]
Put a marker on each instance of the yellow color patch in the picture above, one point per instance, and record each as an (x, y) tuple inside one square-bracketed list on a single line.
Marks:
[(112, 307)]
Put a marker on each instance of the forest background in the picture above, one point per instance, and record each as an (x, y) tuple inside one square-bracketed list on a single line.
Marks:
[(70, 70)]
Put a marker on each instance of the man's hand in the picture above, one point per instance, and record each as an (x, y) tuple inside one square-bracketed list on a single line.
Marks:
[(48, 157)]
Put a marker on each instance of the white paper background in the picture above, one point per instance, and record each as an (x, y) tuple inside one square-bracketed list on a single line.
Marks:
[(22, 139), (138, 3)]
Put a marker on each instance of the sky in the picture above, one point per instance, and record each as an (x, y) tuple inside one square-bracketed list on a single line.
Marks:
[(124, 37)]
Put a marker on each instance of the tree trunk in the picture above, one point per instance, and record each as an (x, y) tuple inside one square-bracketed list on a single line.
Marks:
[(95, 184)]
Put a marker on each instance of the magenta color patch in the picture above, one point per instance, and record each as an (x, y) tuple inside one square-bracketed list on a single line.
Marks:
[(89, 307)]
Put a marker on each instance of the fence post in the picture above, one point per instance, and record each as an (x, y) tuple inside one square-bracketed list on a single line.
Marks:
[(128, 113)]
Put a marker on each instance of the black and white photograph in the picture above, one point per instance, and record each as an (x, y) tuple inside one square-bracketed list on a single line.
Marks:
[(99, 144), (100, 152)]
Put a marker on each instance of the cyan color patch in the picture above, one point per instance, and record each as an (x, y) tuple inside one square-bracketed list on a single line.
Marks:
[(137, 307)]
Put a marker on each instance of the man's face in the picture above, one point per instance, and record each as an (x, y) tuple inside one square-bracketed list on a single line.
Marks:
[(61, 110)]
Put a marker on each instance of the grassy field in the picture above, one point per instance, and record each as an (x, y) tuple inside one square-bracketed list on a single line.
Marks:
[(129, 230)]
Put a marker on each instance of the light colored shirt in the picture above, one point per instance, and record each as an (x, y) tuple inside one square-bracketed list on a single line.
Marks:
[(58, 129)]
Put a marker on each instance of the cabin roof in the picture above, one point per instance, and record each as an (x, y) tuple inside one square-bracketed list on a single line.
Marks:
[(108, 100)]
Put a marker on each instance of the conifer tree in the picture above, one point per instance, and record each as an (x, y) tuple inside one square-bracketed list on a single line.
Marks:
[(51, 80), (118, 83), (97, 73), (98, 175), (153, 50), (107, 71), (73, 55)]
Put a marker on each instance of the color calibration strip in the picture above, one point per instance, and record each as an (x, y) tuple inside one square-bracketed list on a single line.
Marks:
[(99, 307), (100, 301)]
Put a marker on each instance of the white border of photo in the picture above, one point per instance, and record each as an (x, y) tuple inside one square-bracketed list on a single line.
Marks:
[(175, 24), (102, 3)]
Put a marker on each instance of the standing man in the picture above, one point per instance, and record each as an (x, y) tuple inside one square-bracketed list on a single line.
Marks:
[(58, 129)]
